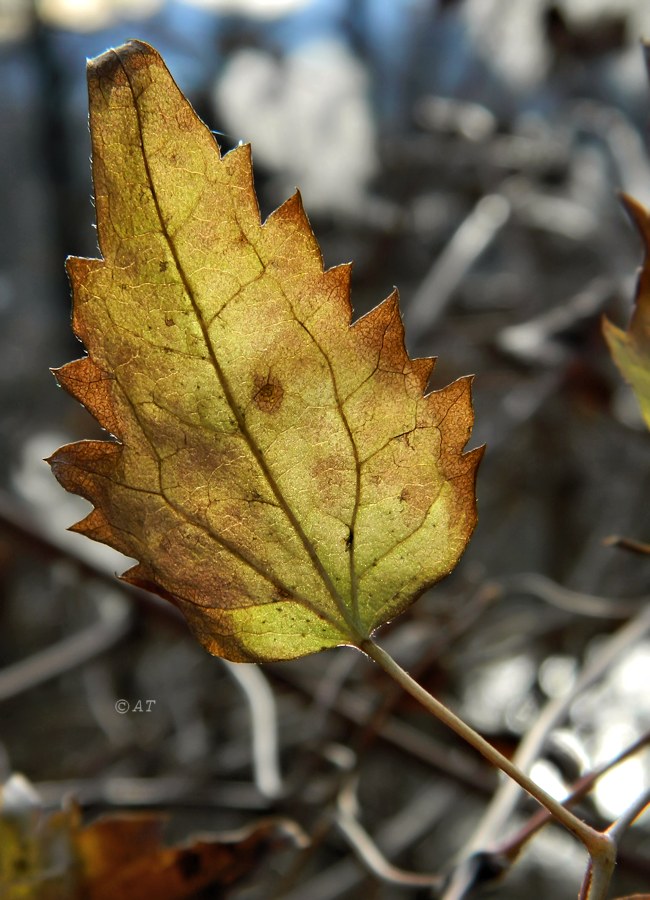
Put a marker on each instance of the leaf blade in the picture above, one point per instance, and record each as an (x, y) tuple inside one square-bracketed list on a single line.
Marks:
[(275, 463)]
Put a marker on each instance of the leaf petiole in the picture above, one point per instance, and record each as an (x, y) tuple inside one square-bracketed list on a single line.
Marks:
[(601, 847)]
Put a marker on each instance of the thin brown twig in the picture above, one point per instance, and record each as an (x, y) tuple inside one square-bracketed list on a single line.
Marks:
[(599, 846), (618, 828), (501, 808), (440, 642), (627, 543), (512, 846), (616, 831)]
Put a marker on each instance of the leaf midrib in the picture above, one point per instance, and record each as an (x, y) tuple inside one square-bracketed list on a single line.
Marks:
[(225, 386)]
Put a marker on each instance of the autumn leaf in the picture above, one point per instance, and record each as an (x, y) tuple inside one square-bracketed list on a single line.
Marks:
[(55, 856), (125, 856), (631, 349), (279, 474)]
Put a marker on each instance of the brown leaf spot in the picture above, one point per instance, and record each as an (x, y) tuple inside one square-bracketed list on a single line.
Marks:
[(327, 468), (267, 393), (169, 321)]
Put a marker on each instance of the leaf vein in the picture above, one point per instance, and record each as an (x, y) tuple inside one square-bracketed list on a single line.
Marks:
[(225, 386)]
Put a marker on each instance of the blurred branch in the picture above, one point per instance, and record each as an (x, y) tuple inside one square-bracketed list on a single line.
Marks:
[(576, 602), (465, 617), (616, 831), (70, 653), (636, 809), (537, 340), (177, 791), (470, 239), (501, 808), (457, 764), (16, 522), (367, 850), (512, 846), (264, 725), (419, 816)]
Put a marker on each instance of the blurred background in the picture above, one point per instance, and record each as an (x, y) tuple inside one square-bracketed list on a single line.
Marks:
[(469, 152)]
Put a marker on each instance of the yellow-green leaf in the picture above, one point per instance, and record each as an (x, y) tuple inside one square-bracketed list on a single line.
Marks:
[(631, 349), (279, 473)]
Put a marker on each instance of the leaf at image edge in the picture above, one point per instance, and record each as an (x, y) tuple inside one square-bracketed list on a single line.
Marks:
[(630, 349)]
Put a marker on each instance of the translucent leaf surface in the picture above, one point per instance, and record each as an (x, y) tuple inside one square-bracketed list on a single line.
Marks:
[(279, 473)]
